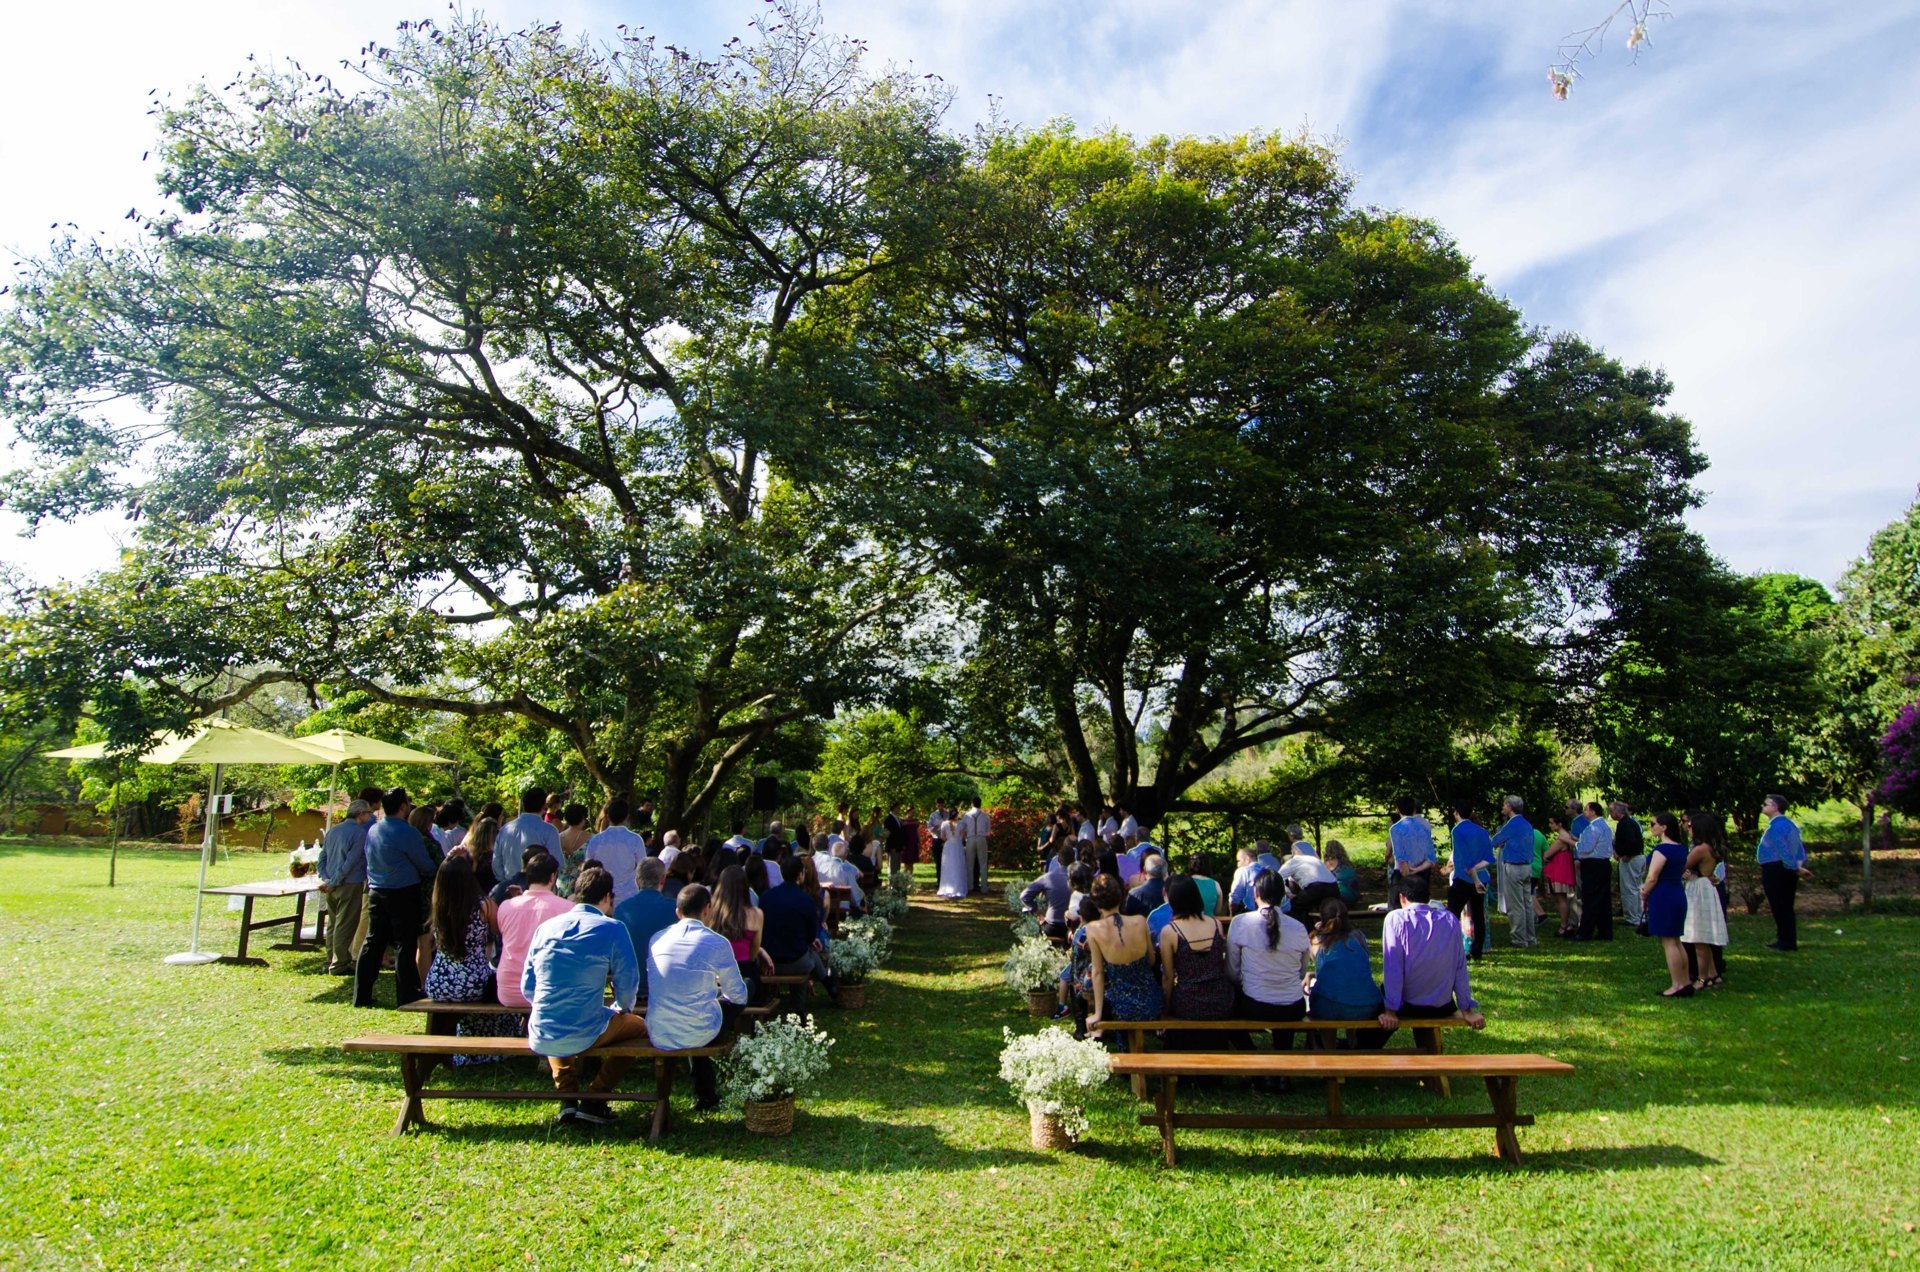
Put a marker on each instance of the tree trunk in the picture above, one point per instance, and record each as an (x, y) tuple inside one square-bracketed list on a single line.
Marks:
[(1086, 778)]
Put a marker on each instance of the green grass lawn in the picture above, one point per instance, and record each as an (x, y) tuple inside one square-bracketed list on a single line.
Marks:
[(157, 1116)]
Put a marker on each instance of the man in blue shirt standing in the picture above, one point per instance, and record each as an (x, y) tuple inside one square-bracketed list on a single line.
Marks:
[(1411, 843), (1472, 864), (398, 868), (1783, 864), (569, 965), (343, 879), (1514, 843), (1593, 857), (523, 832)]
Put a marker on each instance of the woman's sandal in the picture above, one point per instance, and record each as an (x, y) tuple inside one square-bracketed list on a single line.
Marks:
[(1715, 982), (1685, 991)]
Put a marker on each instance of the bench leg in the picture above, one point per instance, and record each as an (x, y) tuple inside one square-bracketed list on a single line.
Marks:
[(1163, 1107), (1505, 1096), (662, 1089), (1428, 1042), (1333, 1097), (1137, 1044), (412, 1076)]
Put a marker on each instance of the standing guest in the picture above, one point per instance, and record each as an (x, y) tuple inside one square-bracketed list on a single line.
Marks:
[(1121, 962), (574, 957), (1594, 856), (1151, 892), (1576, 818), (518, 918), (1193, 964), (739, 839), (1783, 864), (1343, 872), (1343, 983), (421, 819), (371, 797), (342, 870), (1046, 897), (1470, 864), (979, 829), (740, 924), (617, 848), (1129, 824), (554, 812), (397, 867), (1297, 838), (1267, 961), (1312, 884), (1705, 931), (1423, 969), (574, 833), (1411, 841), (1630, 850), (1200, 869), (1514, 842), (790, 930), (1558, 874), (450, 824), (528, 830), (1664, 897), (461, 923)]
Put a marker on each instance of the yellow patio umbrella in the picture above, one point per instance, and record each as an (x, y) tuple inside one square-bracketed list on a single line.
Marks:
[(356, 748)]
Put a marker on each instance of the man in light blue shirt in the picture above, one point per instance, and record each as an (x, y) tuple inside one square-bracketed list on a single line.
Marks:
[(1514, 843), (524, 831), (397, 868), (1593, 857), (569, 964), (694, 989), (1255, 862), (618, 849), (1411, 842), (1783, 864), (342, 869)]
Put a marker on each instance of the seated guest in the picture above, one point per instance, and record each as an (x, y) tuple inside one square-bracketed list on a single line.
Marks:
[(1193, 964), (731, 913), (1081, 879), (686, 867), (516, 883), (1150, 890), (1423, 965), (1311, 882), (1253, 862), (694, 988), (1200, 869), (1122, 976), (669, 847), (1126, 860), (617, 848), (520, 917), (461, 920), (1047, 896), (573, 958), (479, 845), (648, 910), (1076, 984), (1343, 984), (1267, 961), (1302, 846), (1343, 872), (831, 864), (790, 930)]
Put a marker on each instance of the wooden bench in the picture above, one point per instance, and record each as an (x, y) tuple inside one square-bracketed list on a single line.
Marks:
[(419, 1053), (1426, 1036), (1502, 1074)]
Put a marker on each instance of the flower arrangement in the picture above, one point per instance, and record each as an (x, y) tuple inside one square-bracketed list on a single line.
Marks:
[(852, 957), (1052, 1073), (303, 859), (875, 931), (901, 881), (888, 903), (1014, 889), (1033, 964), (1025, 925), (776, 1061)]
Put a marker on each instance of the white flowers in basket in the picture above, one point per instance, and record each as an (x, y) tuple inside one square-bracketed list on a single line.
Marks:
[(901, 882), (852, 956), (888, 903), (1033, 963), (875, 931), (776, 1061), (1052, 1073)]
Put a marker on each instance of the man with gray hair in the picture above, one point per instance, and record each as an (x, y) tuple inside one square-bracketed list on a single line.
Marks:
[(1514, 843), (831, 864), (1152, 889), (1302, 846), (342, 870), (647, 911), (1630, 850), (669, 848)]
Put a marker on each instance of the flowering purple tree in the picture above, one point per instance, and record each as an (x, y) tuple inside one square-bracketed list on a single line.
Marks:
[(1900, 762)]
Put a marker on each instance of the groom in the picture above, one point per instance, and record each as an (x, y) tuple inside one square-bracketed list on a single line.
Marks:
[(976, 826)]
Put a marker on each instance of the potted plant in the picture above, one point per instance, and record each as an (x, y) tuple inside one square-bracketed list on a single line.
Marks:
[(1053, 1072), (768, 1068), (1033, 966), (876, 931), (900, 882), (888, 903), (852, 958)]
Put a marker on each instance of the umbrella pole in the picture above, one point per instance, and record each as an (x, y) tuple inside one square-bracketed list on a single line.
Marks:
[(332, 778), (113, 855), (194, 954)]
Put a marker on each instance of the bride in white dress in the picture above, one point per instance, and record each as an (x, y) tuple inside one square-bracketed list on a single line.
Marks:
[(953, 860)]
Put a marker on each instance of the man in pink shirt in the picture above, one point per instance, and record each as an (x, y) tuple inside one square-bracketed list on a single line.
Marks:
[(519, 917)]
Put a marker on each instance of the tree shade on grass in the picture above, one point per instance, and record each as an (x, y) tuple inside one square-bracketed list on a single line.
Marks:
[(165, 1117)]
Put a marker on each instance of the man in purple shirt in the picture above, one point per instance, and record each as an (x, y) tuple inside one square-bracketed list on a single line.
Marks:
[(1423, 967), (1053, 891)]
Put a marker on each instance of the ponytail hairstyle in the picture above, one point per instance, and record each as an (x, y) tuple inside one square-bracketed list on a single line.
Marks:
[(1270, 889), (1333, 926)]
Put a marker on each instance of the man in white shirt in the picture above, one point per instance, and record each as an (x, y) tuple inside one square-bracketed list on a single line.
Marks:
[(1086, 826), (1311, 883), (1109, 824), (739, 839), (831, 864), (977, 827), (669, 847), (692, 983), (617, 848), (1129, 824)]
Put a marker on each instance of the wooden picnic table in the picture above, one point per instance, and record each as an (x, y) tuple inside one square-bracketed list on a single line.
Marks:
[(298, 889)]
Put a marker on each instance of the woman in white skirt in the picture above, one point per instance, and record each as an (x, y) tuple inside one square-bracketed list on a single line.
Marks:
[(1705, 933)]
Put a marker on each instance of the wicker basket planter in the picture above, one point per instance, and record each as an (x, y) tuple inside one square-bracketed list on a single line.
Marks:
[(771, 1117), (1041, 1002), (850, 997), (1046, 1131)]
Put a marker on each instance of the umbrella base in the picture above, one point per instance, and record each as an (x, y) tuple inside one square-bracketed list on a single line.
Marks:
[(194, 958)]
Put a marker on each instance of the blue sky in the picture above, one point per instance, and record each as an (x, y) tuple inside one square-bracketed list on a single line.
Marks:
[(1737, 207)]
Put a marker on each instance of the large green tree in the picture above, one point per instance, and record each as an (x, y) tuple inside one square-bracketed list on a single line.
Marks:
[(486, 387), (1221, 459)]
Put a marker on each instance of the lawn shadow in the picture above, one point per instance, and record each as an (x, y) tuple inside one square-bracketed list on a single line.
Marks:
[(1299, 1157)]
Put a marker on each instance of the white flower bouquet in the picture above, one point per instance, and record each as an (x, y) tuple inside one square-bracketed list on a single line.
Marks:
[(852, 956), (901, 881), (1033, 963), (888, 903), (1025, 925), (776, 1061), (875, 931), (1014, 889), (1052, 1073)]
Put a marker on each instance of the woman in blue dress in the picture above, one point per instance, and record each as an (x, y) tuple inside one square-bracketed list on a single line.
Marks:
[(1665, 901), (1124, 982)]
